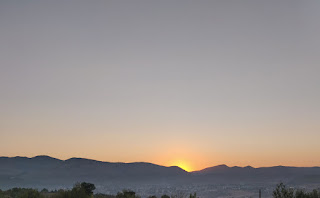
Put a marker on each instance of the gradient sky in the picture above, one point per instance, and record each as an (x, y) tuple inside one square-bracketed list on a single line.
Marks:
[(190, 83)]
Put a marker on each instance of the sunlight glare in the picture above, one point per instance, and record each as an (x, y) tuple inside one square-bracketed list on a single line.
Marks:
[(182, 164)]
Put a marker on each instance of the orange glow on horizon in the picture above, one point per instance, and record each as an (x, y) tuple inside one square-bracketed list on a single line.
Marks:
[(182, 164)]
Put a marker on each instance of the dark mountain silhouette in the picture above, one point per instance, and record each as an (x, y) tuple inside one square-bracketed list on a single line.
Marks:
[(248, 174), (45, 171)]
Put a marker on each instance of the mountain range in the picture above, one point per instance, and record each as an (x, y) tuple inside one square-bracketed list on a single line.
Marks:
[(45, 171)]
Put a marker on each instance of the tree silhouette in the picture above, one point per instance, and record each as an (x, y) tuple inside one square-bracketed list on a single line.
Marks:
[(88, 187), (282, 192)]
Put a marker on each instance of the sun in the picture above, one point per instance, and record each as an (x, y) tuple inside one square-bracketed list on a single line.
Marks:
[(182, 164)]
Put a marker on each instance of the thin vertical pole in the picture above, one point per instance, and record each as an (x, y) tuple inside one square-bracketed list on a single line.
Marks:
[(259, 193)]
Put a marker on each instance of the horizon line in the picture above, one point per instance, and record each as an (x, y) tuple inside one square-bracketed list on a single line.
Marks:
[(248, 166)]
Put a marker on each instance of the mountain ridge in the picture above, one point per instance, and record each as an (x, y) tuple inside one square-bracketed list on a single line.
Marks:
[(216, 167), (45, 171)]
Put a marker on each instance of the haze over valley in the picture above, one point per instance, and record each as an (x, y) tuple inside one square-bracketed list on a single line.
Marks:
[(149, 179)]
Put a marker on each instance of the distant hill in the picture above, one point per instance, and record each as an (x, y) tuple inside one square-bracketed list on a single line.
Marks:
[(293, 175), (45, 171)]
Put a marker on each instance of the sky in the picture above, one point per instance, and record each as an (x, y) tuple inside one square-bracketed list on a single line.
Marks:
[(188, 83)]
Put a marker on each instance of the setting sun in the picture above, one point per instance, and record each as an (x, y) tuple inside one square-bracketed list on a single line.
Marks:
[(182, 164)]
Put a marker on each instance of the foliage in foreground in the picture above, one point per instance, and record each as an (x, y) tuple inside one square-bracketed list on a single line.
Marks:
[(282, 191), (85, 190), (80, 190)]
